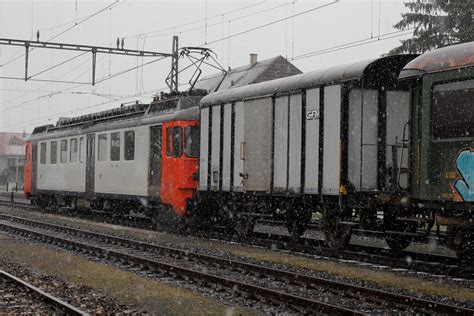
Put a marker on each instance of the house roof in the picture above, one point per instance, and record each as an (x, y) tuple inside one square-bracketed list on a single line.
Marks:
[(12, 144), (268, 69)]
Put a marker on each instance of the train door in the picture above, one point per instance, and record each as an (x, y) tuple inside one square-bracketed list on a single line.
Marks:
[(155, 162), (257, 149), (90, 164), (27, 173), (34, 165)]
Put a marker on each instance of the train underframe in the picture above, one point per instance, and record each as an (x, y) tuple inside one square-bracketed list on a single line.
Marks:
[(399, 219), (395, 216)]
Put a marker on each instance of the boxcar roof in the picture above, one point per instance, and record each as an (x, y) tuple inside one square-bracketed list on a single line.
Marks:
[(342, 73), (446, 58)]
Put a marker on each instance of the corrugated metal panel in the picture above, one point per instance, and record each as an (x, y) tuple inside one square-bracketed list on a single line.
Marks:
[(215, 147), (238, 139), (294, 166), (258, 144), (332, 140), (226, 151), (363, 122), (312, 141), (280, 157), (204, 148)]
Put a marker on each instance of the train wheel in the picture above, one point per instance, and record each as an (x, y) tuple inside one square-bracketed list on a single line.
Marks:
[(297, 224), (397, 241), (244, 225), (337, 235)]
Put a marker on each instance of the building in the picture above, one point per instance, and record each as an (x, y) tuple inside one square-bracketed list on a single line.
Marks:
[(254, 72), (12, 158)]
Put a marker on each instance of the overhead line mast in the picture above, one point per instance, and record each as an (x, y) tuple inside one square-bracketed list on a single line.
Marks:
[(87, 48)]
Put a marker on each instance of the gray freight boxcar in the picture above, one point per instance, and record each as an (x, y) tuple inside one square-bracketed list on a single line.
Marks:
[(327, 141)]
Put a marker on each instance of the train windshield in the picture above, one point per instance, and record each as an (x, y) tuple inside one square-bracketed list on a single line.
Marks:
[(191, 135)]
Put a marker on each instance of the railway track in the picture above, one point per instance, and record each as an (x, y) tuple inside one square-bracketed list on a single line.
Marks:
[(20, 297), (299, 291), (409, 260)]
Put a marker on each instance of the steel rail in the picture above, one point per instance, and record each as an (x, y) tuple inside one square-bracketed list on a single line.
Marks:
[(423, 262), (255, 290), (47, 298), (295, 278)]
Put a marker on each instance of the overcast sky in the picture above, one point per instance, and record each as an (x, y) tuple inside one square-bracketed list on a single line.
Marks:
[(24, 105)]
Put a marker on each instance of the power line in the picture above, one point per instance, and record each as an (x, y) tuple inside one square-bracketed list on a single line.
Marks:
[(57, 65), (195, 21), (271, 23), (57, 35), (222, 22), (360, 42)]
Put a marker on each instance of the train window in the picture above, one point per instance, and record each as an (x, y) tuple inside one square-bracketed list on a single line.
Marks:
[(53, 157), (74, 152), (102, 148), (174, 145), (82, 150), (115, 146), (43, 153), (177, 141), (191, 136), (63, 154), (452, 112), (129, 138), (169, 135)]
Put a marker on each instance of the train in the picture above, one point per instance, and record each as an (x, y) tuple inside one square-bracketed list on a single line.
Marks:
[(385, 144)]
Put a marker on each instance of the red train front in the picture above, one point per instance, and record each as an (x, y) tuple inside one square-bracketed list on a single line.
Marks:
[(141, 158)]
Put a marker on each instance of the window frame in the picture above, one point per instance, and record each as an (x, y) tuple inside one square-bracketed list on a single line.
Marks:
[(63, 141), (104, 148), (186, 129), (432, 109), (114, 155), (76, 153), (82, 151), (43, 148), (127, 145), (55, 152)]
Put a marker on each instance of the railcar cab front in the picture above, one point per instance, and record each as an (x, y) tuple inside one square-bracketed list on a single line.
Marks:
[(442, 85), (180, 163)]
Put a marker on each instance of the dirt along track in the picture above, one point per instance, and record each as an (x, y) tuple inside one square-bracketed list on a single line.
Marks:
[(365, 252), (344, 294)]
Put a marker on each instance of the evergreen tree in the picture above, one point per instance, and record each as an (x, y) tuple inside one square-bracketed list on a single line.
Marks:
[(436, 23)]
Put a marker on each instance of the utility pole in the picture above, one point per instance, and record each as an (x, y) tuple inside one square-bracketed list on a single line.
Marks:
[(173, 84)]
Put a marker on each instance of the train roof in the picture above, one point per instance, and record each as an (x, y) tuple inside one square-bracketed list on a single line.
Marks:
[(442, 59), (378, 71), (179, 106)]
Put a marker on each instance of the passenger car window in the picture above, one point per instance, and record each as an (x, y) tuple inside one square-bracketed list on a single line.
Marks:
[(82, 151), (191, 136), (115, 146), (63, 155), (452, 111), (102, 148), (43, 153), (74, 153), (129, 138), (53, 157)]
